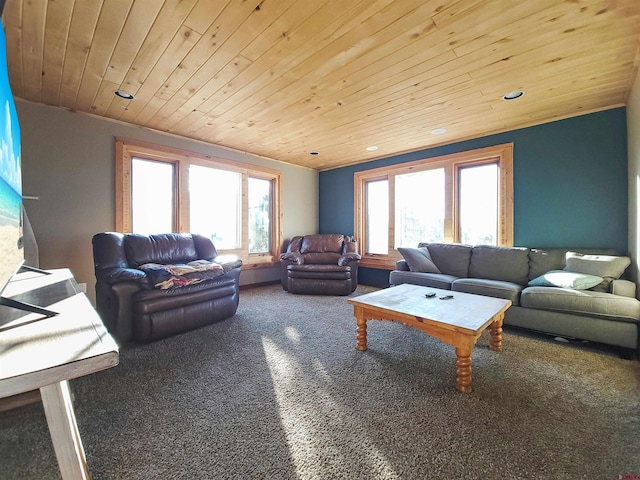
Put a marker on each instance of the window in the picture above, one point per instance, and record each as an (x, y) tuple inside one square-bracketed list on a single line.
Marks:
[(159, 189), (152, 186), (465, 197)]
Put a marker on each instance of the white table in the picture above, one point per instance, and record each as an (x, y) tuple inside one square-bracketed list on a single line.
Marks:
[(45, 353)]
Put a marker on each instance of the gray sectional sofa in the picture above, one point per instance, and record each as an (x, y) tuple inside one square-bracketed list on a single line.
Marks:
[(577, 293)]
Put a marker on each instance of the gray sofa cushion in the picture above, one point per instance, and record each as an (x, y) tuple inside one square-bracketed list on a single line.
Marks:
[(490, 288), (581, 302), (450, 258), (562, 278), (433, 280), (543, 260), (509, 264)]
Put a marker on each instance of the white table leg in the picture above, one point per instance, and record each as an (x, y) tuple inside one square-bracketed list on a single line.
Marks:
[(61, 419)]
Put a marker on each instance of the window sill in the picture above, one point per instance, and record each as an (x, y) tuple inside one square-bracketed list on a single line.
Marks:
[(380, 263), (266, 263)]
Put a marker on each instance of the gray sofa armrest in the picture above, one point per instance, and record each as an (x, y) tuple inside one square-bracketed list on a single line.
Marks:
[(402, 265), (624, 288)]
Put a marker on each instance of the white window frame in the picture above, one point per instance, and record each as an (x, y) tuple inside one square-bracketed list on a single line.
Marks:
[(502, 155), (126, 150)]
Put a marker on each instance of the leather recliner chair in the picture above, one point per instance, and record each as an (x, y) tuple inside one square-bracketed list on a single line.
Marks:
[(322, 264), (134, 308)]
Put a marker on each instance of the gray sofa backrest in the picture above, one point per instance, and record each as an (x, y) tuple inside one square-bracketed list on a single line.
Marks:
[(451, 258), (543, 260), (500, 263), (510, 264)]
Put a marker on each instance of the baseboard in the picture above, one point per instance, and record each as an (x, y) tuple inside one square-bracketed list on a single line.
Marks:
[(260, 284)]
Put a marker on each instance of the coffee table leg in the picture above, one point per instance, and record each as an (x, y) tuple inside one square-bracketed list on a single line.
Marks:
[(463, 372), (361, 333), (495, 341)]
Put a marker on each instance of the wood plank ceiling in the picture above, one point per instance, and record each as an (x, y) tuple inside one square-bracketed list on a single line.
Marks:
[(282, 78)]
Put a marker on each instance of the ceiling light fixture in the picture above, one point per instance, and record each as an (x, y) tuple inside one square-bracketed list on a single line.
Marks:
[(438, 131), (123, 94), (513, 95), (371, 148)]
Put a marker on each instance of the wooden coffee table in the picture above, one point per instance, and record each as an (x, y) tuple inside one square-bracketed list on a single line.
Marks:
[(458, 321)]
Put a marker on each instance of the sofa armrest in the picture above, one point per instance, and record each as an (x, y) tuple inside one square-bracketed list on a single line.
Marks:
[(402, 265), (117, 275), (292, 257), (228, 262), (347, 258), (624, 288)]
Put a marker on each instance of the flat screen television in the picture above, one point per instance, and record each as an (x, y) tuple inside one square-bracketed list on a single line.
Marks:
[(11, 244), (11, 248)]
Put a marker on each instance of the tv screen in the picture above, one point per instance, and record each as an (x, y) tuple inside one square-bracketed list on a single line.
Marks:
[(11, 249)]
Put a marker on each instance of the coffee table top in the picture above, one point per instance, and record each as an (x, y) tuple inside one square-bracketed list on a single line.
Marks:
[(465, 311)]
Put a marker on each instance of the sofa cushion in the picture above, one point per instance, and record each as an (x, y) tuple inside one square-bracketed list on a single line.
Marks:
[(562, 278), (321, 258), (164, 248), (418, 259), (322, 243), (607, 266), (433, 280), (509, 264), (326, 272), (490, 288), (581, 302), (450, 258), (543, 260)]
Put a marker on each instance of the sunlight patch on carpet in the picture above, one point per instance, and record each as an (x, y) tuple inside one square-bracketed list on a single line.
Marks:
[(311, 417)]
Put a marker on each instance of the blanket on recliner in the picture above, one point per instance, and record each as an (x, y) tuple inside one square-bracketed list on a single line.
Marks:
[(180, 275)]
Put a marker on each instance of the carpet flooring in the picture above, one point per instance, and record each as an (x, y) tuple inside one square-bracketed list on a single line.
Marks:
[(279, 391)]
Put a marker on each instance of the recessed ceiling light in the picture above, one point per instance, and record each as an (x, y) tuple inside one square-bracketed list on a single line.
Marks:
[(438, 131), (372, 148), (314, 153), (123, 94), (513, 95)]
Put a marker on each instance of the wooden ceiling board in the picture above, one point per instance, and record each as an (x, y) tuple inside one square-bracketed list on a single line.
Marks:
[(56, 32), (79, 40), (110, 25), (281, 78)]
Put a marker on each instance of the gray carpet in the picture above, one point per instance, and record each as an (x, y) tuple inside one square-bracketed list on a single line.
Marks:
[(280, 392)]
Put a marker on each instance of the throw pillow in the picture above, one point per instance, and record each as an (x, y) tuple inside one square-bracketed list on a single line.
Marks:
[(418, 259), (564, 279), (608, 267)]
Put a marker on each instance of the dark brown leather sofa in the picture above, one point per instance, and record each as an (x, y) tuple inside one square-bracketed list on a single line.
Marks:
[(134, 308), (321, 264)]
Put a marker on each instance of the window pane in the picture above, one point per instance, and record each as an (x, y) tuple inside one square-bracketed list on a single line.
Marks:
[(215, 205), (259, 215), (152, 197), (420, 207), (479, 204), (377, 213)]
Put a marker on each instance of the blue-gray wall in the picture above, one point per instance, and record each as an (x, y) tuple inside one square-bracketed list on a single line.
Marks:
[(570, 183)]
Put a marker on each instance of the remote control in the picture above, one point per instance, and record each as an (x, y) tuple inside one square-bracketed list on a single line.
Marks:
[(430, 295), (446, 297)]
